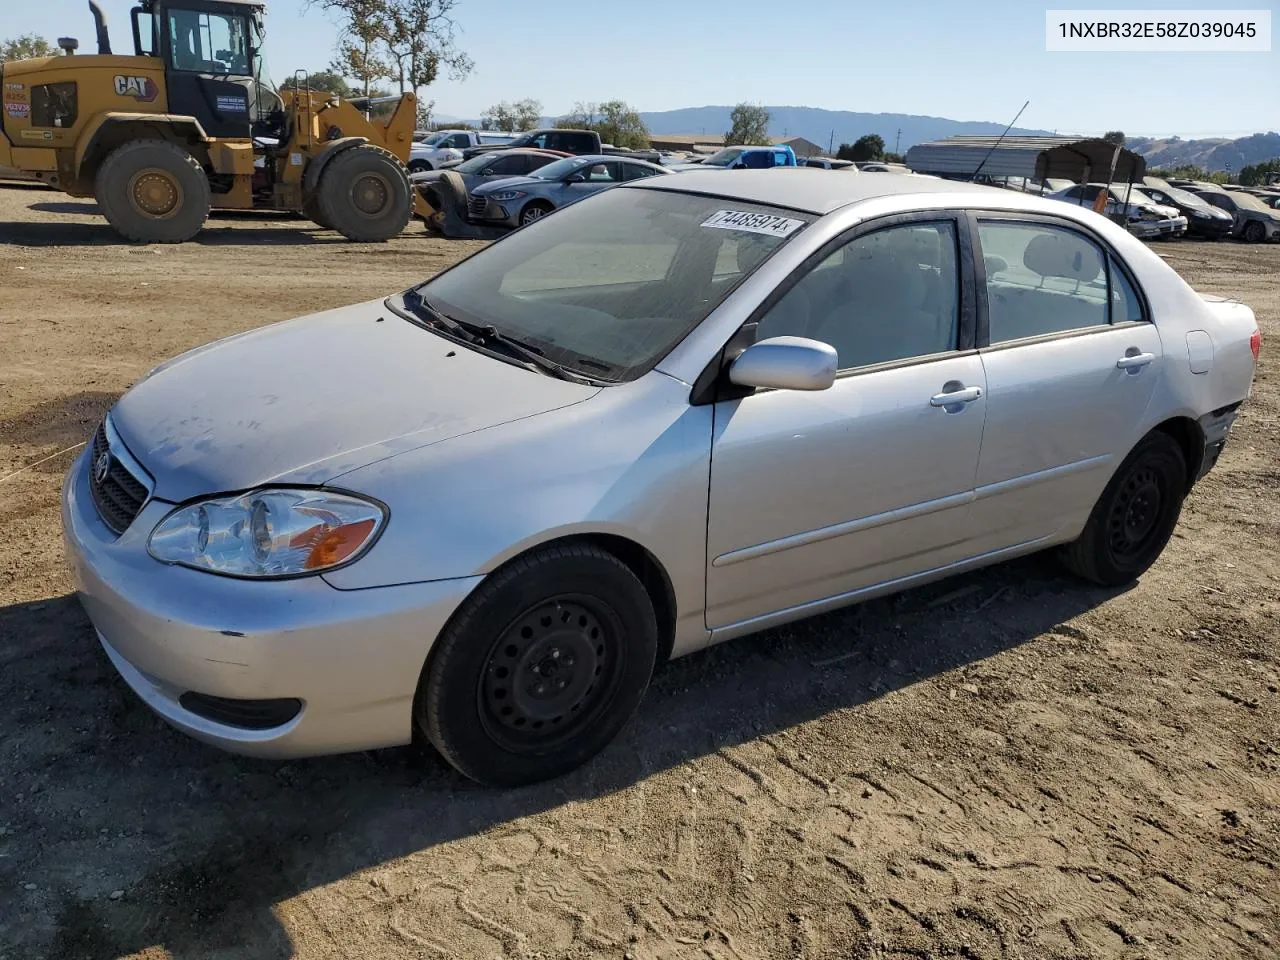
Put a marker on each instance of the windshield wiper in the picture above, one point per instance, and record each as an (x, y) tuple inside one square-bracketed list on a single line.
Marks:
[(488, 337)]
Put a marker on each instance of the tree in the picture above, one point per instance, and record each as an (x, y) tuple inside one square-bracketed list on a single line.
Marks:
[(1114, 136), (616, 121), (27, 47), (749, 126), (324, 80), (867, 147), (892, 157), (420, 40), (519, 116), (1256, 174), (361, 50)]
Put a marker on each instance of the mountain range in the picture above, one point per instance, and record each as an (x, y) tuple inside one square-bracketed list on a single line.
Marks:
[(900, 131)]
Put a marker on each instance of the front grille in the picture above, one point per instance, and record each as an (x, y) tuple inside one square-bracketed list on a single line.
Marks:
[(117, 493), (246, 714), (475, 207)]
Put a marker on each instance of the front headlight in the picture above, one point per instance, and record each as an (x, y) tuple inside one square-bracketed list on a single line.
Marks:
[(269, 533), (507, 196)]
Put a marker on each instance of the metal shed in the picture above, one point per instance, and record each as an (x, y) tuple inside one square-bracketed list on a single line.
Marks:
[(1068, 158)]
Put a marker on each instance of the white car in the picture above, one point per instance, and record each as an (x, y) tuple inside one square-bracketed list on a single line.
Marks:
[(682, 410), (1144, 218)]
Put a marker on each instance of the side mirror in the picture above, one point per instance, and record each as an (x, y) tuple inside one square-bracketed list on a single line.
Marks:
[(575, 178), (786, 363)]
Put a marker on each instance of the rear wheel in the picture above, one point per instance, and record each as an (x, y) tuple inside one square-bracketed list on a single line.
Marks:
[(364, 194), (1134, 518), (311, 210), (540, 668), (1254, 232), (419, 166), (535, 211), (153, 191)]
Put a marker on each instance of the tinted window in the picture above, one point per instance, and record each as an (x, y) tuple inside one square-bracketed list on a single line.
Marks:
[(54, 105), (514, 164), (460, 140), (756, 160), (888, 295), (1041, 279)]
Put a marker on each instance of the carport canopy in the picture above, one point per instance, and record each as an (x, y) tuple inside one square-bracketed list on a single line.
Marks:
[(1067, 158)]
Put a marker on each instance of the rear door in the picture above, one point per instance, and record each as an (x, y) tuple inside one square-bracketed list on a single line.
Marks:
[(1071, 360)]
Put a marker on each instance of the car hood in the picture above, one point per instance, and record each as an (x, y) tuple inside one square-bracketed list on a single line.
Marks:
[(506, 183), (309, 399)]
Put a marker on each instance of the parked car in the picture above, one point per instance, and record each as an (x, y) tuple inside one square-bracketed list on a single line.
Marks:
[(581, 142), (1203, 219), (746, 158), (514, 202), (441, 190), (1144, 217), (628, 432), (829, 163), (1254, 221), (447, 146)]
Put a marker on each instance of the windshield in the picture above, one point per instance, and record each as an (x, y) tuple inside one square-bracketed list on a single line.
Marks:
[(475, 164), (559, 169), (724, 158), (1184, 198), (435, 138), (607, 286), (1249, 201)]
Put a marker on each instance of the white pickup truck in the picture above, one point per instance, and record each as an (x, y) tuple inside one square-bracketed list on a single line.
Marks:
[(446, 146)]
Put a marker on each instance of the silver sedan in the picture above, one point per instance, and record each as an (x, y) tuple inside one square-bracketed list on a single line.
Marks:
[(687, 409), (517, 201)]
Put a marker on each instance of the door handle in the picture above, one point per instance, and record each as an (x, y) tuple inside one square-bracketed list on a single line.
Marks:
[(1134, 361), (955, 396)]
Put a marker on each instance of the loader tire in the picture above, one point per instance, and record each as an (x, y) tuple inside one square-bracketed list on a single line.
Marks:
[(153, 191), (364, 194), (452, 189), (311, 210)]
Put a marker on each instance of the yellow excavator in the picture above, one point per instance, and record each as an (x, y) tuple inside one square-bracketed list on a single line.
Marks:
[(190, 122)]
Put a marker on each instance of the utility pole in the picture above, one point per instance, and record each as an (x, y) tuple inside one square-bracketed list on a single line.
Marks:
[(831, 145), (897, 141)]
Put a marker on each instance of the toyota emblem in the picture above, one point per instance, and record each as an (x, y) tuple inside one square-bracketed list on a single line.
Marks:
[(101, 466)]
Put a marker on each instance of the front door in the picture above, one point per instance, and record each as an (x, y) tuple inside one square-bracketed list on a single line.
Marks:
[(208, 62), (1071, 361), (815, 495)]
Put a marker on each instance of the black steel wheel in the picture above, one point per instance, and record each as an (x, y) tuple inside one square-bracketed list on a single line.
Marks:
[(550, 672), (1134, 518), (539, 668), (1254, 232)]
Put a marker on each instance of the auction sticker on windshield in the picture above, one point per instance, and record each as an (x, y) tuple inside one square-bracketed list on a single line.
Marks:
[(753, 223)]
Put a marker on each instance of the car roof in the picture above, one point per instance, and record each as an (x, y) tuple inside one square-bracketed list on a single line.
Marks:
[(809, 189)]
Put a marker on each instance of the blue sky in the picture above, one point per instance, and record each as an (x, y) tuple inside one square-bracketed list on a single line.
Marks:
[(961, 60)]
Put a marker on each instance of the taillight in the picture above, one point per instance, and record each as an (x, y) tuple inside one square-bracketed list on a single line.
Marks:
[(1255, 343)]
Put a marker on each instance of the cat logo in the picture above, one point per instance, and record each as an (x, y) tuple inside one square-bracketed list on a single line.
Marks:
[(140, 88)]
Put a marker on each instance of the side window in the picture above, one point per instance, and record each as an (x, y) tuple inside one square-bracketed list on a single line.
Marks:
[(514, 165), (459, 140), (756, 160), (1125, 305), (1041, 279), (54, 105), (779, 159), (601, 173), (888, 295), (539, 141)]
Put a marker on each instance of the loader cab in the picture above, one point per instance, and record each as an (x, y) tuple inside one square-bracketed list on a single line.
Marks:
[(212, 54)]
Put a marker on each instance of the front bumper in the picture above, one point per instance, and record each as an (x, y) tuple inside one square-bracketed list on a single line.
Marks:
[(491, 212), (1149, 229), (352, 657)]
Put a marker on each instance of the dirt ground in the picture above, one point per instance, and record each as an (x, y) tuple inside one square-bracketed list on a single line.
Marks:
[(1003, 765)]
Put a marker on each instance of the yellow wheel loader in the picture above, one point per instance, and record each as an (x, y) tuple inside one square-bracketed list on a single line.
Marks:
[(190, 122)]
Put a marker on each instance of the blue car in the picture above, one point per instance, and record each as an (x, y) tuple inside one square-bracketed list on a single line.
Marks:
[(746, 158), (515, 201)]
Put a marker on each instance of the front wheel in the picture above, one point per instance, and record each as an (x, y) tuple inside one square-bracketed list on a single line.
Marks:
[(364, 194), (534, 211), (540, 667), (1134, 518)]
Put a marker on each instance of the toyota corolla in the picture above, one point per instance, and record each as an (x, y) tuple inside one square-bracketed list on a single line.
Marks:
[(687, 409)]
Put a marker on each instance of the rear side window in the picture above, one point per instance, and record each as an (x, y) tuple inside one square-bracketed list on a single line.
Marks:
[(1044, 279), (54, 105)]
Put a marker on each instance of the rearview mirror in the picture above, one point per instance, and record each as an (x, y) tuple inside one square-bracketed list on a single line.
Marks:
[(786, 363)]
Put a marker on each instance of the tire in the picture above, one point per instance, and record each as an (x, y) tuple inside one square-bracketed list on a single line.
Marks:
[(364, 193), (311, 210), (534, 210), (452, 189), (1134, 518), (540, 668), (1254, 232), (419, 166), (153, 191)]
